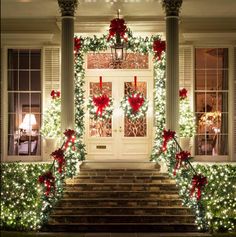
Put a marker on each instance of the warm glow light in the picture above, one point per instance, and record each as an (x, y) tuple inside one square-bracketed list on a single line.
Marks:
[(28, 121)]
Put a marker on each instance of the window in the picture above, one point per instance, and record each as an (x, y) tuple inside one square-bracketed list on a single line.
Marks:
[(211, 101), (24, 101)]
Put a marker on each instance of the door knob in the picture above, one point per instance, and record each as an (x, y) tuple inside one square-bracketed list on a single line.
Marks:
[(120, 129)]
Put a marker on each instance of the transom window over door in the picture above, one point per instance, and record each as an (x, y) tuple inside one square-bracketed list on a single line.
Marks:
[(211, 101), (24, 101)]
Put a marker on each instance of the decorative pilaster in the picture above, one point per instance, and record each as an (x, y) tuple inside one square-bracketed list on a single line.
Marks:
[(67, 8), (172, 8)]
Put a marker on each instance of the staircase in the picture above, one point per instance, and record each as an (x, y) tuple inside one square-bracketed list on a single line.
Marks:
[(121, 199)]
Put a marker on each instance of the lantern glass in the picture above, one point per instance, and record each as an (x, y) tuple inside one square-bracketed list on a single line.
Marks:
[(118, 52)]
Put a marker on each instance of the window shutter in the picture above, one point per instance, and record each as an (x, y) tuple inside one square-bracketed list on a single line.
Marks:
[(186, 68), (234, 102), (51, 69)]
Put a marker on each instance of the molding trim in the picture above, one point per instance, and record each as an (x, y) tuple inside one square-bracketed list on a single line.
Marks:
[(171, 7), (68, 7)]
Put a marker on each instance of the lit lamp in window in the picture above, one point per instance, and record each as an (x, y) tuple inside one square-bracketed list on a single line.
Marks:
[(118, 48), (28, 121)]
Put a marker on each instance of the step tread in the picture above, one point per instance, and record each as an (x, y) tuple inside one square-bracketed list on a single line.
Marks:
[(119, 215), (143, 207)]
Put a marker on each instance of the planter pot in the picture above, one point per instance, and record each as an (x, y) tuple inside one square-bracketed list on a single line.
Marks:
[(50, 145), (185, 143)]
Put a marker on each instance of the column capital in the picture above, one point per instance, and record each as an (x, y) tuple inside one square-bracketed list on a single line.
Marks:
[(172, 7), (68, 7)]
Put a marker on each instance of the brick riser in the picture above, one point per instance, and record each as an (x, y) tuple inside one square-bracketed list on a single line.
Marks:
[(121, 201)]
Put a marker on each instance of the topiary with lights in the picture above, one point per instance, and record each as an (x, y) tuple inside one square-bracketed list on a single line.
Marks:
[(186, 116)]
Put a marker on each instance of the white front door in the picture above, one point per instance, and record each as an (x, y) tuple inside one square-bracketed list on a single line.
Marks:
[(120, 138)]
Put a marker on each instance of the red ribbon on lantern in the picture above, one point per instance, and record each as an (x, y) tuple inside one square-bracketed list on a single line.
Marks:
[(158, 47), (55, 94), (117, 26), (181, 157), (198, 182), (48, 180), (183, 93), (100, 82), (58, 155), (167, 135), (136, 101), (101, 102)]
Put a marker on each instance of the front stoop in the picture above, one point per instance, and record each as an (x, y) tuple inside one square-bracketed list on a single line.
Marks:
[(119, 199)]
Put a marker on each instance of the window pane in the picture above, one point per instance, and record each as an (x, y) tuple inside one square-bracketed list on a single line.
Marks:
[(36, 103), (12, 80), (24, 81), (200, 102), (24, 103), (12, 145), (35, 59), (200, 80), (211, 102), (211, 79), (222, 102), (13, 124), (223, 58), (200, 58), (211, 58), (12, 102), (222, 79), (23, 59), (35, 81), (12, 59)]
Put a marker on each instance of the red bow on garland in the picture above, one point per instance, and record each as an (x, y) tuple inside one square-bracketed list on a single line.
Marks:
[(183, 93), (158, 47), (48, 180), (198, 182), (77, 45), (101, 102), (58, 155), (70, 134), (181, 157), (136, 101), (167, 135), (55, 94), (117, 26)]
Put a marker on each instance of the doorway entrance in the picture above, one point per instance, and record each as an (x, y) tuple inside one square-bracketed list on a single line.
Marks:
[(119, 138)]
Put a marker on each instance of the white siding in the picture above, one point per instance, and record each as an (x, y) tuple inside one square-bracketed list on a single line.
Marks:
[(234, 108)]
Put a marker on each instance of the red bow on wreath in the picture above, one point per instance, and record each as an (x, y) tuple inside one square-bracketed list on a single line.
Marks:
[(48, 180), (198, 182), (77, 45), (158, 47), (55, 94), (58, 155), (135, 101), (183, 93), (117, 26), (167, 135), (181, 157), (101, 102)]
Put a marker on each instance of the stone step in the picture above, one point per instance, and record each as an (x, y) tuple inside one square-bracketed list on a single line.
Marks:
[(120, 179), (120, 194), (121, 172), (121, 187), (73, 218), (120, 202), (122, 227), (81, 210)]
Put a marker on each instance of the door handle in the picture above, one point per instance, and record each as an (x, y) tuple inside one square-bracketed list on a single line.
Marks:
[(120, 129)]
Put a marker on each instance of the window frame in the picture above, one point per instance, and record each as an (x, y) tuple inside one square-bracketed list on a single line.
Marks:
[(4, 123), (218, 158)]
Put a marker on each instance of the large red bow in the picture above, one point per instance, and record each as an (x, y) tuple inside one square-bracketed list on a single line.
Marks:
[(198, 181), (77, 45), (167, 135), (48, 180), (158, 47), (101, 102), (135, 101), (117, 26), (181, 157), (58, 155)]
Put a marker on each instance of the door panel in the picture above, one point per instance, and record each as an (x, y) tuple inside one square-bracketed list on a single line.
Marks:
[(119, 138)]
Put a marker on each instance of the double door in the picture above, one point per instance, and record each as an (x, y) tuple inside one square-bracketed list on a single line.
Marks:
[(118, 137)]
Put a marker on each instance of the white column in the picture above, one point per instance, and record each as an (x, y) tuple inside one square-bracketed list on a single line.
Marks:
[(172, 63), (67, 8)]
